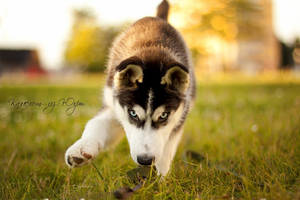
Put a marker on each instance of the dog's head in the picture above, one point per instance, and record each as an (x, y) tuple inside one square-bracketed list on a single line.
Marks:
[(150, 103)]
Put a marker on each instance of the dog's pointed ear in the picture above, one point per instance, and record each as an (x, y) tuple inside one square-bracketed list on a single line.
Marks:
[(127, 76), (176, 78)]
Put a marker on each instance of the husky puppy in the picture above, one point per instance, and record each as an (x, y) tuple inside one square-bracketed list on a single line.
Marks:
[(149, 91)]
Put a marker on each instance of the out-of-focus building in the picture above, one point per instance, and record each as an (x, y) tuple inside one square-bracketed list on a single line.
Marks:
[(229, 35), (20, 60), (261, 51)]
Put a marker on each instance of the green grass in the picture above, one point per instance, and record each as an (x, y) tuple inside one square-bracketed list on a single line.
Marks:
[(248, 133)]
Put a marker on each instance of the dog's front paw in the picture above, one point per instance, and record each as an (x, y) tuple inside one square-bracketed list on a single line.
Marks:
[(81, 152)]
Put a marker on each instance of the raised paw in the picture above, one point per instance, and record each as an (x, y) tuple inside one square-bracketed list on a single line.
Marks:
[(81, 152)]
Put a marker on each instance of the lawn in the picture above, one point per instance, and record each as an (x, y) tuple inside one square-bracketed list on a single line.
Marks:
[(248, 134)]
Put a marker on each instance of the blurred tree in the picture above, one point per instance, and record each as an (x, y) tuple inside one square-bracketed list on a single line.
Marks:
[(88, 46)]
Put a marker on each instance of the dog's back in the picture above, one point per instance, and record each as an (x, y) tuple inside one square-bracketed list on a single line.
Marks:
[(151, 39)]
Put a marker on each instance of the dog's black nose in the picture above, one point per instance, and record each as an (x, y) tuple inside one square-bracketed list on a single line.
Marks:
[(145, 160)]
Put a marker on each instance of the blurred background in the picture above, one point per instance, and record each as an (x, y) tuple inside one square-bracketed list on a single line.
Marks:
[(53, 38), (245, 124)]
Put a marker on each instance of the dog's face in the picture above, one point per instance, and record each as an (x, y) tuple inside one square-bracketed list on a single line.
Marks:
[(149, 103)]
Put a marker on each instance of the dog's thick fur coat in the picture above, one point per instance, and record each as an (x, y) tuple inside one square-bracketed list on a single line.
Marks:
[(149, 91)]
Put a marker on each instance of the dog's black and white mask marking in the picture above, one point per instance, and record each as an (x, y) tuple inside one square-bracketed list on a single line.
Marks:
[(149, 90), (149, 104)]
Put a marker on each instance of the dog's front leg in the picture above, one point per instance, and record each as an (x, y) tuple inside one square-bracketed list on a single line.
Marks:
[(164, 163), (99, 132)]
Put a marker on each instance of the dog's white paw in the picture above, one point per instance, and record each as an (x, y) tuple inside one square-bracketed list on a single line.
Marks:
[(81, 152)]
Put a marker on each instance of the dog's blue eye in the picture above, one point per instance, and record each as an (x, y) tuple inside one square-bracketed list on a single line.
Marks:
[(164, 115), (132, 113)]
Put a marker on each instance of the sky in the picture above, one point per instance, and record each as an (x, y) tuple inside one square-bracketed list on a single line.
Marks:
[(286, 17), (45, 25)]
